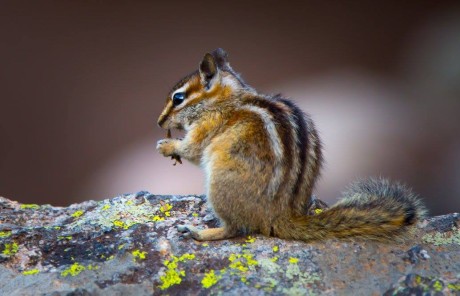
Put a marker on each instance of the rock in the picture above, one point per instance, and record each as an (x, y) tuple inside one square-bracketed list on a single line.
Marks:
[(129, 245)]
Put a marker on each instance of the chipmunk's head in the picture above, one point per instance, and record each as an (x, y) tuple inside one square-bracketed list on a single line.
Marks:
[(214, 82)]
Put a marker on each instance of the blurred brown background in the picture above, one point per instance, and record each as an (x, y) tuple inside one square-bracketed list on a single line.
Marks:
[(83, 82)]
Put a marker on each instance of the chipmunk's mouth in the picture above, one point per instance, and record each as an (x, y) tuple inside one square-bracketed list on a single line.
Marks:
[(165, 123)]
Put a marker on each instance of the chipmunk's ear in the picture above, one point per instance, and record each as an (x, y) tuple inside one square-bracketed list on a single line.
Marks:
[(208, 69), (221, 57)]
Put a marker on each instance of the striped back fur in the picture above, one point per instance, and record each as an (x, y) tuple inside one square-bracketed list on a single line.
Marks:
[(294, 142)]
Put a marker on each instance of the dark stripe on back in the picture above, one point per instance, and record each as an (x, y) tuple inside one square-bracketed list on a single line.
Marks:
[(281, 121), (302, 144), (318, 153)]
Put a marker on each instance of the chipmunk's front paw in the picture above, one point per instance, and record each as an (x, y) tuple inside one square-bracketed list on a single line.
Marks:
[(167, 147), (188, 231)]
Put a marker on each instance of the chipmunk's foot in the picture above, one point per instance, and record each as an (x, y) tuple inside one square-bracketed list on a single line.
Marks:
[(167, 147), (205, 234), (188, 231)]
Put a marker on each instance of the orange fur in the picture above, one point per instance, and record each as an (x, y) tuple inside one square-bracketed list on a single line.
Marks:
[(262, 157)]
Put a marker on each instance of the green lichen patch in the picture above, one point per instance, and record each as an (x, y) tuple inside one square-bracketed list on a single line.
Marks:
[(210, 279), (30, 207), (292, 273), (454, 287), (414, 284), (157, 218), (122, 213), (242, 262), (5, 233), (439, 239), (73, 270), (77, 214), (121, 224), (165, 209), (92, 267), (10, 249), (293, 260), (31, 272), (139, 255), (250, 239)]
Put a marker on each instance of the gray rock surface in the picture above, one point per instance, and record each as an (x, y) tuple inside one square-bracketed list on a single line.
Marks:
[(129, 245)]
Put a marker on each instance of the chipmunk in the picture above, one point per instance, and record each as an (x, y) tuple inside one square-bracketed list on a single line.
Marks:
[(262, 157)]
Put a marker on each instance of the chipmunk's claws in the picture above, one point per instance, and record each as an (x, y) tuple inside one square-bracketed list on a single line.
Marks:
[(187, 231)]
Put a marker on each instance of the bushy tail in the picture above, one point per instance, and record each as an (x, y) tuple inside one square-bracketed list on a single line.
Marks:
[(371, 209)]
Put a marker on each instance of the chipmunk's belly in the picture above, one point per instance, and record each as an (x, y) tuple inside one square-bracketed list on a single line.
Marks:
[(237, 191)]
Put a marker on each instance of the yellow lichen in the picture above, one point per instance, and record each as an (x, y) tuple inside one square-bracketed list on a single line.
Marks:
[(276, 249), (141, 255), (318, 211), (195, 215), (5, 233), (121, 224), (121, 246), (438, 286), (73, 270), (210, 279), (30, 272), (165, 208), (105, 207), (129, 202), (10, 249), (157, 218), (173, 276), (274, 259), (293, 260), (233, 257), (250, 239), (30, 206), (237, 262), (186, 256), (250, 261), (77, 214), (205, 245), (93, 267)]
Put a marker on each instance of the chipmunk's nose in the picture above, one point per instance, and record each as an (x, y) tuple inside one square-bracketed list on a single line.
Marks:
[(161, 120)]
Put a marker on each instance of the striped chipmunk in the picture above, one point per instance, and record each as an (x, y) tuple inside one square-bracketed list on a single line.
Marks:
[(262, 156)]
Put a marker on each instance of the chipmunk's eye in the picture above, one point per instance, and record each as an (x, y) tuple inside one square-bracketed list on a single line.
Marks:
[(178, 98)]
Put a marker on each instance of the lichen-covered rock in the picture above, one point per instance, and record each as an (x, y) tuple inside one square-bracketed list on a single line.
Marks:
[(129, 245)]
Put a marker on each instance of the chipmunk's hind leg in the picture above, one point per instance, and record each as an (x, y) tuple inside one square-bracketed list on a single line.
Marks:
[(206, 234)]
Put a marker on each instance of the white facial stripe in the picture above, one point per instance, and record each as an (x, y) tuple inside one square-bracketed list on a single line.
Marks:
[(179, 90)]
